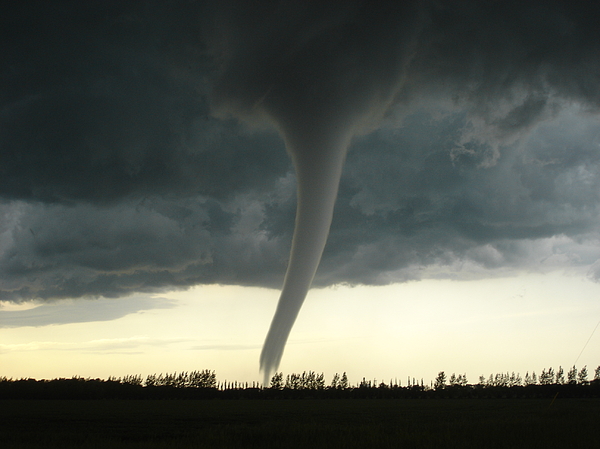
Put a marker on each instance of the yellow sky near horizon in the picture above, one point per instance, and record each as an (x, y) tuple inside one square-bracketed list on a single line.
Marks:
[(416, 329)]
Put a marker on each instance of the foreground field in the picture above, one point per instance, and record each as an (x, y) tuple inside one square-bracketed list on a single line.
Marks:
[(437, 423)]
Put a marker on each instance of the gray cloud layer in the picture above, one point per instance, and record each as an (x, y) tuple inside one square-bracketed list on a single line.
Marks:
[(63, 312), (121, 170)]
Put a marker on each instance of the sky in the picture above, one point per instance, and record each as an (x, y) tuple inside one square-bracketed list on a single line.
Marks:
[(148, 190)]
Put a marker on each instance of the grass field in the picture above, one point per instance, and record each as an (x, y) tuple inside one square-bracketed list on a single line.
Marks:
[(436, 423)]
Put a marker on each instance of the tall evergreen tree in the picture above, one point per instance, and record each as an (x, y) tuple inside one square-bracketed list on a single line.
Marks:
[(560, 376), (344, 385), (582, 376), (335, 381), (572, 375)]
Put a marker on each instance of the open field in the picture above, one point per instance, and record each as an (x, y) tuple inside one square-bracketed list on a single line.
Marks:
[(420, 423)]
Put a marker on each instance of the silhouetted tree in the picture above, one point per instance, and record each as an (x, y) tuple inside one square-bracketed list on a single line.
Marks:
[(572, 376), (582, 376), (364, 383), (560, 376), (544, 378), (150, 380), (440, 381), (292, 382), (458, 381), (277, 381), (551, 375), (335, 381), (501, 380), (344, 385), (312, 381), (515, 380), (132, 380), (181, 380), (547, 377)]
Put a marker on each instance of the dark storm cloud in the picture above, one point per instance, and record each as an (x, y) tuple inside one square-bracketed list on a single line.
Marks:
[(409, 203), (105, 100), (117, 175)]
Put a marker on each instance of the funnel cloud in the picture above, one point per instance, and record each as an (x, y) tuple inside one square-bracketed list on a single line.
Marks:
[(318, 160), (319, 82)]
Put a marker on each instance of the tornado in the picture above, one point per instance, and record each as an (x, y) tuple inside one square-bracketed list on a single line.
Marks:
[(319, 74), (318, 157)]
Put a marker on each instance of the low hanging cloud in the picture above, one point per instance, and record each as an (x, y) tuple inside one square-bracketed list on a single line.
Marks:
[(133, 159), (68, 311)]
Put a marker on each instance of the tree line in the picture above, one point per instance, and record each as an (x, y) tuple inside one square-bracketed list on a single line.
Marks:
[(309, 384), (547, 377)]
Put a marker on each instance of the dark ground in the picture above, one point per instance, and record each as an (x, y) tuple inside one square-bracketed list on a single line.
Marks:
[(333, 423)]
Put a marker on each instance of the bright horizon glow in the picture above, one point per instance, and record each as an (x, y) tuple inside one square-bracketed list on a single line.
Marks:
[(523, 323)]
